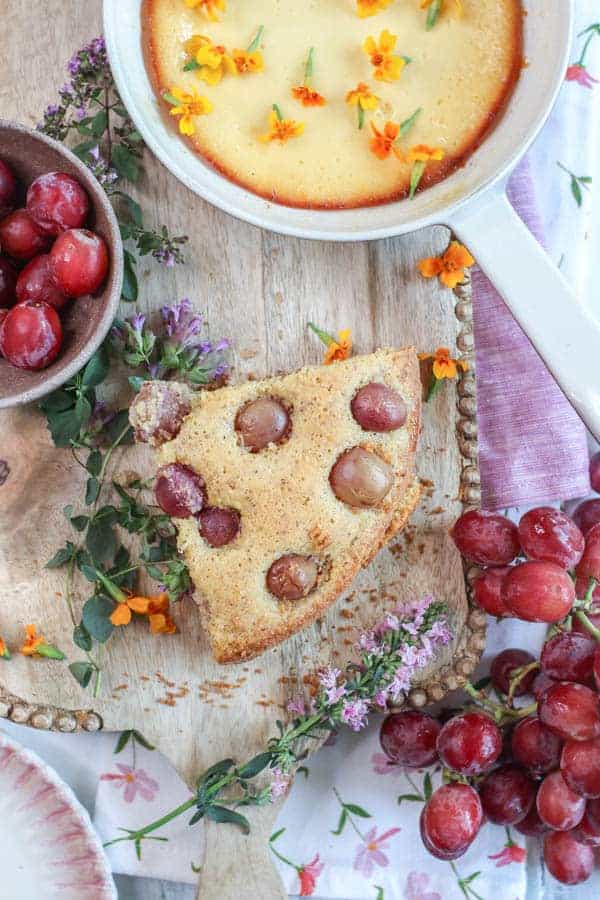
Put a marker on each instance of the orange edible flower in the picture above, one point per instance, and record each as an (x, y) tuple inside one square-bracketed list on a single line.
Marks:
[(32, 641), (187, 105), (121, 615), (248, 63), (281, 129), (366, 8), (161, 623), (423, 153), (450, 266), (382, 142), (208, 7), (153, 607), (37, 645), (4, 651), (386, 66), (340, 349), (443, 364), (307, 96)]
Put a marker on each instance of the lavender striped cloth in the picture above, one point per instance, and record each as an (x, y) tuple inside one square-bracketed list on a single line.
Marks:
[(532, 445)]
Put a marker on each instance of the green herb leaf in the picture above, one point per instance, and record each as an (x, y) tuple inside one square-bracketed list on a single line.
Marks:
[(252, 768), (82, 672), (99, 123), (92, 489), (433, 14), (95, 617), (406, 126), (357, 810), (96, 369), (79, 523), (276, 835), (256, 41), (82, 638), (223, 814), (49, 651), (124, 739), (416, 174), (133, 210), (100, 539), (130, 289), (62, 556), (142, 741), (361, 117), (94, 462), (117, 426), (82, 150), (191, 65), (88, 572), (341, 823), (125, 163), (199, 814), (136, 382), (412, 798), (216, 771), (170, 98), (427, 786)]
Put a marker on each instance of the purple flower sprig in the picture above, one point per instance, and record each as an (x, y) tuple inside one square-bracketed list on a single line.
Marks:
[(90, 111), (390, 655), (177, 348)]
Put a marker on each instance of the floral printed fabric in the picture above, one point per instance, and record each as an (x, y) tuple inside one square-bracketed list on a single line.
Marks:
[(373, 852)]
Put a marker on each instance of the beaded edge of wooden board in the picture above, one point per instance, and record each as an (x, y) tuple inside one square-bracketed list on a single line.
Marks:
[(471, 642)]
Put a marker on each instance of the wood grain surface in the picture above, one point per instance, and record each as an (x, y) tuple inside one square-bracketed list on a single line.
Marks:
[(260, 289)]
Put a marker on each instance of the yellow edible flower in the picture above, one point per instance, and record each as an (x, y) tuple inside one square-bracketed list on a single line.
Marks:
[(366, 8), (281, 129), (188, 105), (248, 63), (212, 59), (208, 7), (386, 66), (362, 96), (423, 153)]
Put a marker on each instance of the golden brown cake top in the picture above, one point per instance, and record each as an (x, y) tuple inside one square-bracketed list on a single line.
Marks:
[(284, 497)]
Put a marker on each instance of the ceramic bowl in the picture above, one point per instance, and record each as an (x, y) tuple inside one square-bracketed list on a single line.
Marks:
[(48, 848), (86, 321)]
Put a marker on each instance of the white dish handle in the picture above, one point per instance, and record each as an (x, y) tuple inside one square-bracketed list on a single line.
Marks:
[(537, 294)]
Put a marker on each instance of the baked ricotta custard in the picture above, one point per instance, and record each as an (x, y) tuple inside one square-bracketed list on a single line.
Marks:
[(333, 103), (283, 489)]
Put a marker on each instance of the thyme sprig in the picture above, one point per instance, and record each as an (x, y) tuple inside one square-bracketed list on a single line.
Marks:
[(390, 656), (91, 116)]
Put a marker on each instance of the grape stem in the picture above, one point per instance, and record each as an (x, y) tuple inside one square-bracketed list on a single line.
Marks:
[(518, 677), (595, 632), (500, 712)]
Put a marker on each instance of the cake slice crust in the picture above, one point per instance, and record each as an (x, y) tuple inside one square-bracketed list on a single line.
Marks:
[(284, 498)]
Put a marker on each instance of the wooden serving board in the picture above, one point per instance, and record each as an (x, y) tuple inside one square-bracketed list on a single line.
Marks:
[(259, 289)]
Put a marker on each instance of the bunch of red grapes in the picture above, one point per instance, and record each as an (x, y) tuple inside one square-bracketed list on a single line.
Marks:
[(47, 258), (533, 764)]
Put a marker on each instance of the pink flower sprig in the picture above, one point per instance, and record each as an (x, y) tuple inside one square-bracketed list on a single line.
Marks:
[(390, 655)]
